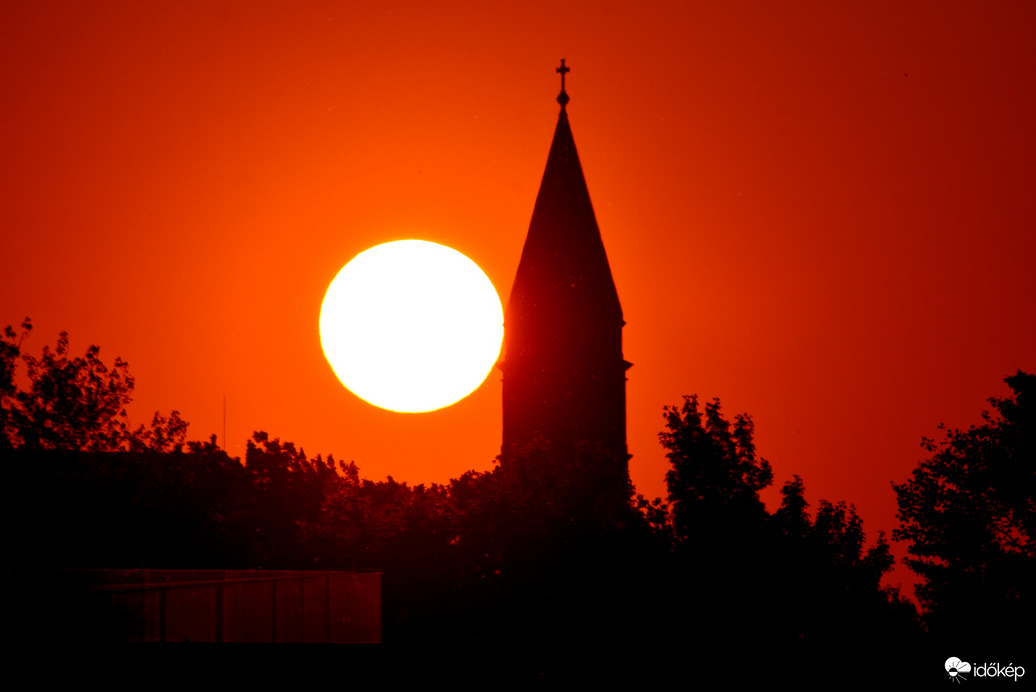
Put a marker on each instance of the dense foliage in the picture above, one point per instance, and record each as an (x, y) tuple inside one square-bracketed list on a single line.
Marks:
[(968, 514), (821, 585), (74, 404), (542, 551)]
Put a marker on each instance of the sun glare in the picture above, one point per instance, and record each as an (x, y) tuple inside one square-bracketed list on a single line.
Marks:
[(411, 326)]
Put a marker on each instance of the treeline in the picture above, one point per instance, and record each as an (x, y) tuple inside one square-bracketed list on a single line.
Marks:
[(509, 556), (540, 552)]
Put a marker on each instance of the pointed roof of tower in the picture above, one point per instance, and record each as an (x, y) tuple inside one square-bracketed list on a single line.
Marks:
[(564, 267)]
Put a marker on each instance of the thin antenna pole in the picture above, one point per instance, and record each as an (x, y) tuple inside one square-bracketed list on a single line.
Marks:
[(224, 422)]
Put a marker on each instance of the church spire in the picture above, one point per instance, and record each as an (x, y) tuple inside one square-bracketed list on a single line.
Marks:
[(564, 377), (564, 268)]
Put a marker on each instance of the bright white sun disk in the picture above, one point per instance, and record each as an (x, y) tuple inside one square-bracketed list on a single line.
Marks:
[(411, 325)]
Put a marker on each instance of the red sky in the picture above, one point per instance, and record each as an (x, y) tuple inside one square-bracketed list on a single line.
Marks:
[(821, 213)]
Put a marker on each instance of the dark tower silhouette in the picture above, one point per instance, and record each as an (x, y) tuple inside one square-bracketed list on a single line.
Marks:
[(564, 377)]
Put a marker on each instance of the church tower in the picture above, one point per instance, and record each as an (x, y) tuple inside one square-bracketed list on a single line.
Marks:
[(564, 377)]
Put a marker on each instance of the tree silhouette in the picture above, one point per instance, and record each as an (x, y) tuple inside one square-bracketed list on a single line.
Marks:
[(968, 513), (828, 581), (74, 403), (10, 355), (777, 580), (715, 476)]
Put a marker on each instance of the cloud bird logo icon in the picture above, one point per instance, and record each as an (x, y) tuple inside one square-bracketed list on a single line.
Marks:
[(954, 666)]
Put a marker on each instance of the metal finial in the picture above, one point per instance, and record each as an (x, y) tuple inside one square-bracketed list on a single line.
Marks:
[(563, 97)]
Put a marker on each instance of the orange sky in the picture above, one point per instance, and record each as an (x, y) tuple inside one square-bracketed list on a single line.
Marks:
[(822, 213)]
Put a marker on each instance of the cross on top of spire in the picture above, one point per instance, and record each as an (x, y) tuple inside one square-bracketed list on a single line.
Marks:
[(563, 97)]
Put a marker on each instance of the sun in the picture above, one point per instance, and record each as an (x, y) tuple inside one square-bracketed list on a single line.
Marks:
[(411, 326)]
